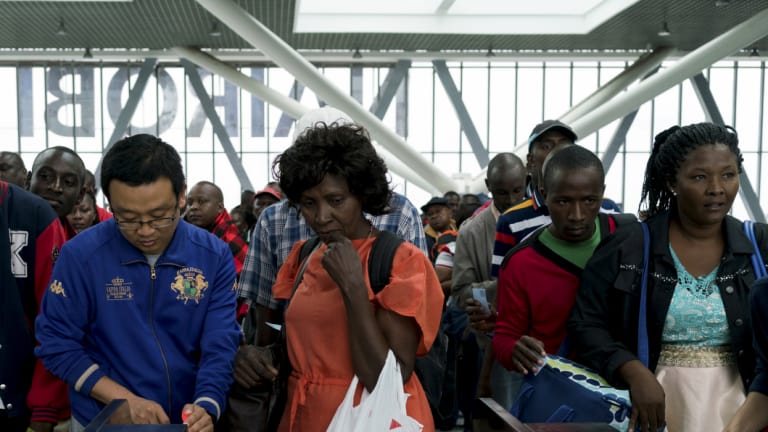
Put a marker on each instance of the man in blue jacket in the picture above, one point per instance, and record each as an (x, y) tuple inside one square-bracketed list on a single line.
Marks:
[(142, 307)]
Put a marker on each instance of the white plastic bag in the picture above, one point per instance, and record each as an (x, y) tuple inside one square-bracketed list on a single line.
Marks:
[(382, 410)]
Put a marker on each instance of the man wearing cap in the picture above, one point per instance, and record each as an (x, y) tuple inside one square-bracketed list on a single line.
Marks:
[(205, 209), (439, 221), (524, 218), (265, 198)]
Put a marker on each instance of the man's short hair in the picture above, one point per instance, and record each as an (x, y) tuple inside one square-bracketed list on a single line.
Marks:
[(139, 160), (572, 157), (15, 159), (61, 149)]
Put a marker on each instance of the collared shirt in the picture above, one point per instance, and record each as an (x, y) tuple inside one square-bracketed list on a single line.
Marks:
[(524, 218), (280, 226), (225, 229)]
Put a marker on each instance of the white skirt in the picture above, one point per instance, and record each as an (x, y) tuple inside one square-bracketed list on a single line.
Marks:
[(702, 387)]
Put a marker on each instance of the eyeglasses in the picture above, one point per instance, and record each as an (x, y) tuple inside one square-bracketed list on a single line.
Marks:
[(153, 223)]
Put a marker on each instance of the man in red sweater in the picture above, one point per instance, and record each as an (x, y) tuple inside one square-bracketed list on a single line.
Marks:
[(539, 278), (205, 209), (31, 239)]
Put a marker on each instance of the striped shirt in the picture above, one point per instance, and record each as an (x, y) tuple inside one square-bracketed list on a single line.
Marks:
[(522, 219)]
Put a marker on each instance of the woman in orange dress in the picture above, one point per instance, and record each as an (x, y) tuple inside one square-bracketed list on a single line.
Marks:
[(336, 327)]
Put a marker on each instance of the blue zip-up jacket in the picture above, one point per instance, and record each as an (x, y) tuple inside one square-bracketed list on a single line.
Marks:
[(167, 333)]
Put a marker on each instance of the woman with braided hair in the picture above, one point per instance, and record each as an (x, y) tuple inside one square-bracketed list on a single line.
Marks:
[(701, 360)]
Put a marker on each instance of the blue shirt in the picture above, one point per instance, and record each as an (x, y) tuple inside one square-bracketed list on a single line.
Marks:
[(280, 226)]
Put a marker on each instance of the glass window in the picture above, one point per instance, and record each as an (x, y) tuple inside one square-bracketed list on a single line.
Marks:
[(748, 108), (502, 112), (557, 98), (447, 130), (420, 110), (9, 131)]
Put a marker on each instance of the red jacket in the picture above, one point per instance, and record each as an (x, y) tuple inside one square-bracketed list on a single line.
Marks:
[(536, 292)]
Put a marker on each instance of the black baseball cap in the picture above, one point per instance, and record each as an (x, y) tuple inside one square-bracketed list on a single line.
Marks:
[(548, 125), (434, 201)]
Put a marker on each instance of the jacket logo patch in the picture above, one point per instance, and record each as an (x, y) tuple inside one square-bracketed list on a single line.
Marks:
[(189, 284), (56, 288), (119, 289)]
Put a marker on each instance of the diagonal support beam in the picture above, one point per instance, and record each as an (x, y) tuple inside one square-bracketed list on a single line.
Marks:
[(637, 70), (124, 119), (620, 136), (467, 125), (712, 111), (290, 106), (706, 99), (218, 127), (641, 69), (741, 35), (389, 88), (618, 139), (258, 35)]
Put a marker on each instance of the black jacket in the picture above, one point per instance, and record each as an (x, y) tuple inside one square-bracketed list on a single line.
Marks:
[(603, 323)]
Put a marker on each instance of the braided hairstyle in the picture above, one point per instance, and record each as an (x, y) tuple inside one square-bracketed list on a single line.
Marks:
[(670, 149)]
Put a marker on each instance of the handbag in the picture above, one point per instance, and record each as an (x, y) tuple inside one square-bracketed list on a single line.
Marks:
[(261, 408), (564, 391), (381, 410)]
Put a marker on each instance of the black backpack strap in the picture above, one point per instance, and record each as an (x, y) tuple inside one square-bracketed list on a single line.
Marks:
[(380, 259), (308, 247)]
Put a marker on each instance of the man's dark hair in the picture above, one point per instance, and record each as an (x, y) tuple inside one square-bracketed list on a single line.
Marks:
[(452, 194), (218, 193), (569, 158), (504, 161), (61, 149), (139, 160), (342, 150), (15, 159), (670, 148)]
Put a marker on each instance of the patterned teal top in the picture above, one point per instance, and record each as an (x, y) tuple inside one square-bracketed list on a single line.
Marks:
[(696, 315)]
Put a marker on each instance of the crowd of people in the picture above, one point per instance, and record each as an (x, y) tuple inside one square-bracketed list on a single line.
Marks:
[(174, 303)]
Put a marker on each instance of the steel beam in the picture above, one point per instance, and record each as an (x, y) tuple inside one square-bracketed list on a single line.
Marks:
[(642, 66), (620, 136), (124, 119), (356, 82), (218, 127), (738, 37), (741, 35), (617, 140), (289, 106), (256, 34), (706, 99), (712, 111), (465, 121), (389, 88)]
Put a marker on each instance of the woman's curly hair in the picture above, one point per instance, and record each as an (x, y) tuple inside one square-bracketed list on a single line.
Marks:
[(670, 148), (344, 150)]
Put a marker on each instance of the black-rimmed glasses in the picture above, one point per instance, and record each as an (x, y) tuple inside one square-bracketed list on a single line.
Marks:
[(156, 223)]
